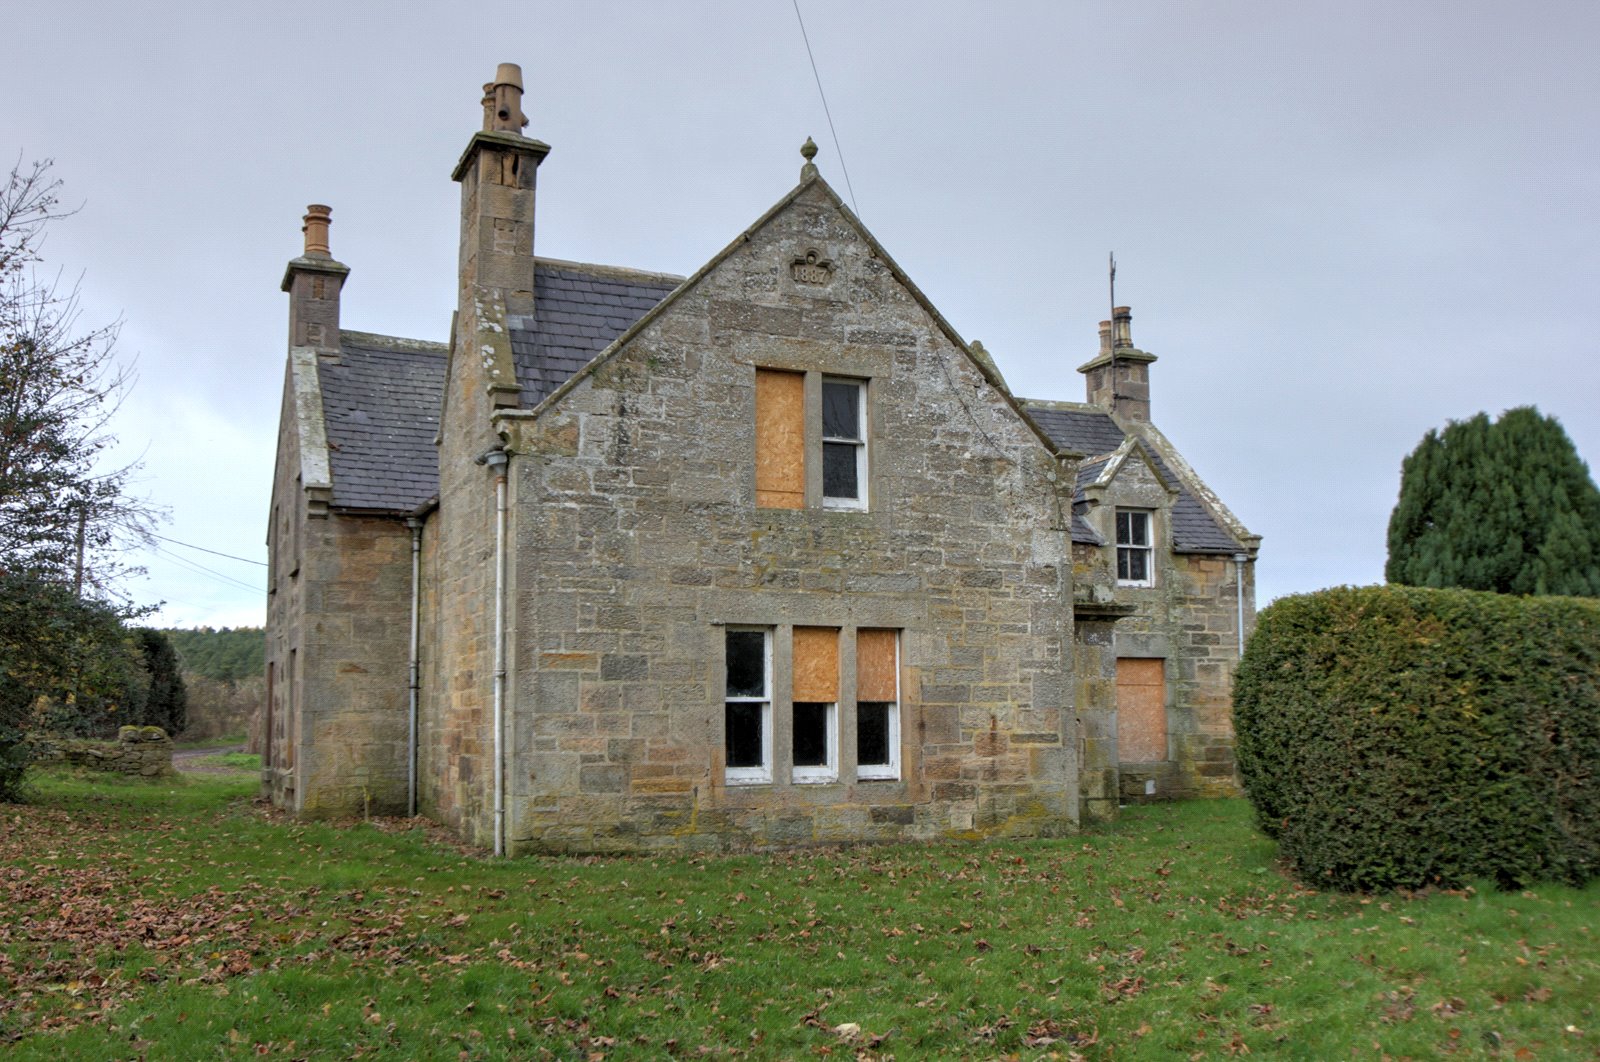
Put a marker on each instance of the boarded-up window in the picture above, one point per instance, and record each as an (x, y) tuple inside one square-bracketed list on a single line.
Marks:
[(877, 704), (816, 663), (780, 439), (815, 708), (1141, 710)]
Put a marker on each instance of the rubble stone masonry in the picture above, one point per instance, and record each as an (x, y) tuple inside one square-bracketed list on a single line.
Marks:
[(639, 540)]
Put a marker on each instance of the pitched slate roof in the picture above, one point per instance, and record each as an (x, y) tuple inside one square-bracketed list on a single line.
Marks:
[(380, 405), (381, 395), (1093, 433), (579, 310)]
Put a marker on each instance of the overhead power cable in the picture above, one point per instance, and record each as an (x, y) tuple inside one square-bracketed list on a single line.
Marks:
[(834, 132), (214, 553), (185, 562)]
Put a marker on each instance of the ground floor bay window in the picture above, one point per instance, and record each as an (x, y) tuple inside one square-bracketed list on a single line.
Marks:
[(801, 725)]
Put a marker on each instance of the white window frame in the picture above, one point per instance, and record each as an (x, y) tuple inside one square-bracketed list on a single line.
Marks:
[(828, 771), (1148, 548), (859, 442), (885, 772), (761, 774)]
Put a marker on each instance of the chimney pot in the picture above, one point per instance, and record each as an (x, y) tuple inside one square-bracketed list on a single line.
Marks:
[(1105, 337), (1122, 326), (317, 220), (502, 101)]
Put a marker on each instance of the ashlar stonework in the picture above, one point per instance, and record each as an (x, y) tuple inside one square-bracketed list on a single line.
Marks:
[(767, 555)]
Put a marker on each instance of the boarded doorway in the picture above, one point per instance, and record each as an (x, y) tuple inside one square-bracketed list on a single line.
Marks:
[(1141, 710)]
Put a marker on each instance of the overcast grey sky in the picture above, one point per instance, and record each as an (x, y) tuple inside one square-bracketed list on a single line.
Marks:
[(1338, 224)]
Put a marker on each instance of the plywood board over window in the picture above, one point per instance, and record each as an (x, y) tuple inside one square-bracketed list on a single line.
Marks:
[(816, 664), (780, 439), (876, 666), (1141, 710), (877, 707), (815, 709)]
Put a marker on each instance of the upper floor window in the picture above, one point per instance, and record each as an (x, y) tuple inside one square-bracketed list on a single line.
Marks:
[(844, 444), (780, 439), (1134, 551), (786, 445)]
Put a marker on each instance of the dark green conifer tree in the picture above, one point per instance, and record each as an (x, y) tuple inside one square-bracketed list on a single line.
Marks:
[(167, 704), (1504, 505)]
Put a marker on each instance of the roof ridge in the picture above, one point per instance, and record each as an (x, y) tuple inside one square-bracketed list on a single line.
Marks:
[(1065, 406), (358, 338), (621, 272)]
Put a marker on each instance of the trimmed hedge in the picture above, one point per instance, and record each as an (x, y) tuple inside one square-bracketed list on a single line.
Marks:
[(1400, 737)]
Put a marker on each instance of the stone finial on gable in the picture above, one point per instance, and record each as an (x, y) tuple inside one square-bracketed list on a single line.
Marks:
[(809, 151), (502, 101)]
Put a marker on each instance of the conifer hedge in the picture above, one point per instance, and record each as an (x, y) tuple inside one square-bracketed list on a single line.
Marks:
[(1401, 737)]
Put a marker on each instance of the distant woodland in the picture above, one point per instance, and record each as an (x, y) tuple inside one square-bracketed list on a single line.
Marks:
[(225, 655), (222, 670)]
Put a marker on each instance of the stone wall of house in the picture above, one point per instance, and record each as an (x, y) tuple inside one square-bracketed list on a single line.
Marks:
[(139, 750), (279, 724), (338, 610), (639, 541), (353, 661), (1189, 619)]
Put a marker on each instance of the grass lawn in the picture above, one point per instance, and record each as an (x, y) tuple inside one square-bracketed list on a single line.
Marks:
[(177, 920), (223, 742)]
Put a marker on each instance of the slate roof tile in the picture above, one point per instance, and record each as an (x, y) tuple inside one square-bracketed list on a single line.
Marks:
[(578, 312), (380, 405), (1096, 435)]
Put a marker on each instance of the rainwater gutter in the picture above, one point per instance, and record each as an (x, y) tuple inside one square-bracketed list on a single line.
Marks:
[(497, 460)]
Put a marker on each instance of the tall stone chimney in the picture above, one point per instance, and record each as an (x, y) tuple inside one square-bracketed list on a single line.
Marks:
[(1118, 376), (497, 173), (313, 282)]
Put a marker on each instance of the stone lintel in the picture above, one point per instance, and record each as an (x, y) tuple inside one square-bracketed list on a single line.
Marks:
[(1111, 610)]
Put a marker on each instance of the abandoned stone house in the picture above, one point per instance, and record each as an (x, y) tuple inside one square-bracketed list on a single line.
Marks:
[(764, 555)]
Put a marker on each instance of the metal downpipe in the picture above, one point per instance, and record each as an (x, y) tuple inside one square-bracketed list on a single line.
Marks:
[(1239, 561), (497, 460), (413, 671)]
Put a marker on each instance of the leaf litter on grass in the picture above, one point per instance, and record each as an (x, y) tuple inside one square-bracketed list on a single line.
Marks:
[(122, 911)]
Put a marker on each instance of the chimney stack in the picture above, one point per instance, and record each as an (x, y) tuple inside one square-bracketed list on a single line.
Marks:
[(498, 174), (313, 282), (1118, 377)]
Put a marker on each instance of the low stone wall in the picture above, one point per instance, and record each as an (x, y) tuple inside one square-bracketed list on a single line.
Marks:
[(138, 750)]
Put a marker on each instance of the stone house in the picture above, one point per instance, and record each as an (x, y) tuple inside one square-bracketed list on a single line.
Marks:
[(764, 555)]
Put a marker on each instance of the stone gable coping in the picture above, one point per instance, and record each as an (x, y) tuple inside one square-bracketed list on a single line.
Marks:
[(311, 431), (1197, 488)]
